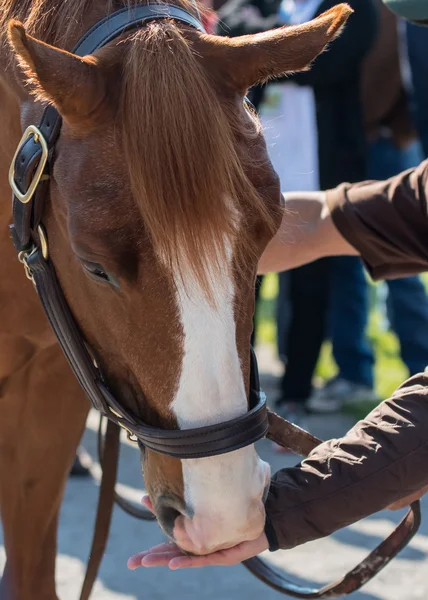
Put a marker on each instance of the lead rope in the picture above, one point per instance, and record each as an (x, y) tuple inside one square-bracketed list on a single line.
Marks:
[(109, 466), (299, 441), (128, 507), (302, 442), (108, 456)]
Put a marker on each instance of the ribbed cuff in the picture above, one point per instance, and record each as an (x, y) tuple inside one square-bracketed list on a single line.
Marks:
[(271, 535)]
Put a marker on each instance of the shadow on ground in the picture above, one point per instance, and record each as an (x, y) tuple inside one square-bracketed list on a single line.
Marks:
[(314, 564)]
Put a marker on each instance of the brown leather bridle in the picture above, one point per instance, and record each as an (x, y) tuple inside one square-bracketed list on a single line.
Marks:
[(30, 172), (29, 179)]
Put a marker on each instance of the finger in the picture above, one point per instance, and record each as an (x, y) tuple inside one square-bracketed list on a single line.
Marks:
[(167, 547), (225, 558), (159, 560), (196, 562), (134, 562), (145, 500), (160, 548)]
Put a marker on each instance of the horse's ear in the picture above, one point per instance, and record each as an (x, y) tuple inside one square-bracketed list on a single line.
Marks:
[(75, 86), (251, 59)]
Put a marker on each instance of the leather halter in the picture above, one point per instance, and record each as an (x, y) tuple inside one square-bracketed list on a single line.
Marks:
[(29, 178)]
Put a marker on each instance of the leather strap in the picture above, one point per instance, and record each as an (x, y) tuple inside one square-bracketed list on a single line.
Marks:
[(65, 328), (108, 456), (194, 443), (301, 442), (199, 442), (97, 37), (290, 436), (294, 438), (113, 25), (109, 467), (128, 507), (354, 579)]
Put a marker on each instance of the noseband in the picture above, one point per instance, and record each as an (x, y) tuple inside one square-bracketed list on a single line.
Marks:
[(29, 179)]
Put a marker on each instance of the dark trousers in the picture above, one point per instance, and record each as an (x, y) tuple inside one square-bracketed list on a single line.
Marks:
[(259, 282), (304, 295), (349, 311), (417, 40), (407, 300)]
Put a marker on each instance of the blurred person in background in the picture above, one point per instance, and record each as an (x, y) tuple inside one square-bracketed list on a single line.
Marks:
[(313, 126), (390, 77), (417, 45), (241, 17)]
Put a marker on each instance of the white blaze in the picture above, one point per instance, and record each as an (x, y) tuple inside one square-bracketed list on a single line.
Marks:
[(223, 491)]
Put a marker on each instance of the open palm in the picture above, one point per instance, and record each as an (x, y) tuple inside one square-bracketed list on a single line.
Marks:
[(168, 554)]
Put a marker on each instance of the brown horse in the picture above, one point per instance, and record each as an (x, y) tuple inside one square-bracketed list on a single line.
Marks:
[(162, 199)]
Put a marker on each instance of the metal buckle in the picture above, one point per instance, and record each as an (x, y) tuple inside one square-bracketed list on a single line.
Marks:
[(23, 258), (25, 254), (39, 139), (43, 242), (131, 437)]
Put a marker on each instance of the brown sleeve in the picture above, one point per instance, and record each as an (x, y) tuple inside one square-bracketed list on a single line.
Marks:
[(378, 462), (386, 221)]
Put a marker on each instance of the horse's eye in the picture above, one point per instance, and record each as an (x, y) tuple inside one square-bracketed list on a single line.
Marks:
[(97, 272)]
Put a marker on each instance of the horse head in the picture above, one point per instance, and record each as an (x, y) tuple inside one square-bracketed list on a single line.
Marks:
[(162, 200)]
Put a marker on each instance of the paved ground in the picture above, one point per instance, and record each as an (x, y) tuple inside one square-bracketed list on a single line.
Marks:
[(405, 579)]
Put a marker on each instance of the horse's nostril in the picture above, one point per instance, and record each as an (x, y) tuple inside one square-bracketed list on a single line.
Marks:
[(168, 508), (167, 517)]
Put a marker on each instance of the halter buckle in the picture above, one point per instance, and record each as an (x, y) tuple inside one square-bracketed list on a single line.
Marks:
[(25, 254), (131, 437), (23, 258), (34, 131)]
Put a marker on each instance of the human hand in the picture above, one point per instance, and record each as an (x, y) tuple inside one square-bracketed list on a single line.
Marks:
[(170, 555)]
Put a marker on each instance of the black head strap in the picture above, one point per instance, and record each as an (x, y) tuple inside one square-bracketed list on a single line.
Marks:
[(31, 150), (29, 176)]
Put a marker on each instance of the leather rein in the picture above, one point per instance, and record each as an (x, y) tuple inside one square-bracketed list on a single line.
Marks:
[(29, 178)]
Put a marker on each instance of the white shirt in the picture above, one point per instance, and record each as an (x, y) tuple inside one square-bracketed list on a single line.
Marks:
[(288, 117)]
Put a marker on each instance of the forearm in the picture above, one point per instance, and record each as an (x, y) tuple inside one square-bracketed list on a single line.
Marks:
[(307, 232), (379, 461)]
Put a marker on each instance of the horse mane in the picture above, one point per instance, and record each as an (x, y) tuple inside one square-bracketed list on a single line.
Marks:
[(185, 172), (179, 144)]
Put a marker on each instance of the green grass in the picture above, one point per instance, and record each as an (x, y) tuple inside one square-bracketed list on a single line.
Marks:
[(266, 320), (390, 371)]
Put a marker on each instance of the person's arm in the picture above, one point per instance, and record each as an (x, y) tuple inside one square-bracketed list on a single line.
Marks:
[(307, 232), (385, 222), (380, 461)]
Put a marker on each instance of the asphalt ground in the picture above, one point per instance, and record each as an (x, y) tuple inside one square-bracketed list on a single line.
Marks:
[(315, 564)]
